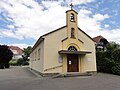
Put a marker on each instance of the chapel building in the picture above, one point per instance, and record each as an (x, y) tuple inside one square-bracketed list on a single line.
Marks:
[(66, 49)]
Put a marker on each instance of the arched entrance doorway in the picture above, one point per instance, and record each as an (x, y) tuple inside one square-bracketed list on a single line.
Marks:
[(72, 61)]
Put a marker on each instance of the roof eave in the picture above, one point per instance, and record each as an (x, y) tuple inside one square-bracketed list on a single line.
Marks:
[(42, 37), (71, 10), (86, 34), (74, 52), (37, 43)]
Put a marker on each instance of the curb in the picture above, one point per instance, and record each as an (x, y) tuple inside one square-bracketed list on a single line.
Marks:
[(35, 73)]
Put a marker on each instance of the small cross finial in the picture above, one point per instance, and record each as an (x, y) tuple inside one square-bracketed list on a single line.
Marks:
[(71, 5)]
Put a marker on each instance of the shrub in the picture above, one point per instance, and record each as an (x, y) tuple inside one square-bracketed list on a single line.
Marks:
[(109, 61), (105, 65), (26, 63), (5, 56), (116, 56), (104, 62), (2, 66), (7, 65), (116, 69), (20, 61), (13, 62)]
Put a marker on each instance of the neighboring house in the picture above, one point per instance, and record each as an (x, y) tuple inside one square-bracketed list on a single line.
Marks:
[(101, 43), (66, 49), (17, 52)]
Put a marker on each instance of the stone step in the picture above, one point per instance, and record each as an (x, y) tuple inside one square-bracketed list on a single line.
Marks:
[(49, 74), (72, 74)]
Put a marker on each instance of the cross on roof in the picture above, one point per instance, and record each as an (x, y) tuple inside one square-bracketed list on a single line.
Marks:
[(71, 5)]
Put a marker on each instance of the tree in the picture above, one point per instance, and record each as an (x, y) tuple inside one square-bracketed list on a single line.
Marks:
[(27, 51), (109, 61), (5, 56), (112, 46), (25, 56)]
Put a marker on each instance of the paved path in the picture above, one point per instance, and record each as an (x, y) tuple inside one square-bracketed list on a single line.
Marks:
[(20, 78), (17, 72)]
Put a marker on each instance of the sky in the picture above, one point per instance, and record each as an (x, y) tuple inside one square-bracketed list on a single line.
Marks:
[(22, 22)]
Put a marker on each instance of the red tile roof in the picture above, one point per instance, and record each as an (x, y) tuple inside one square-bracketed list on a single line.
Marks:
[(19, 50), (98, 38)]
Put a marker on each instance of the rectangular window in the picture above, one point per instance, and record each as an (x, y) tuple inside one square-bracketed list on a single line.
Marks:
[(35, 55), (39, 54), (72, 33)]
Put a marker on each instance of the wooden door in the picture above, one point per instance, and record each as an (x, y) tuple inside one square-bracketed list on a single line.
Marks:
[(72, 63)]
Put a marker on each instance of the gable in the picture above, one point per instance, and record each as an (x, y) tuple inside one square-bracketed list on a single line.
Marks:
[(53, 31), (85, 34), (99, 38), (41, 38)]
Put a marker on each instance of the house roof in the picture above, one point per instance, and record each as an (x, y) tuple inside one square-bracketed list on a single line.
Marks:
[(98, 38), (19, 50), (37, 43)]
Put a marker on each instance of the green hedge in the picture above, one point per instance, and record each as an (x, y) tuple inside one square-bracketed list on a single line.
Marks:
[(108, 61), (18, 62), (116, 69)]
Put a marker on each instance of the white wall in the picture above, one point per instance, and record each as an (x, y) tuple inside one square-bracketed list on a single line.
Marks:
[(35, 62), (89, 60), (53, 43)]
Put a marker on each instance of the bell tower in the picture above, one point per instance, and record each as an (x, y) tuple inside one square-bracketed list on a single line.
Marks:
[(72, 24)]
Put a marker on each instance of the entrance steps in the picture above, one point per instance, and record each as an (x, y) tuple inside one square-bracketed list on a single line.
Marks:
[(60, 75), (72, 74)]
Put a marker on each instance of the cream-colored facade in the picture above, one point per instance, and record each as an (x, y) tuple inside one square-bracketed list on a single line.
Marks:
[(67, 49)]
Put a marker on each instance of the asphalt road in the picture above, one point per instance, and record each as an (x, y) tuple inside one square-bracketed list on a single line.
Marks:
[(20, 78)]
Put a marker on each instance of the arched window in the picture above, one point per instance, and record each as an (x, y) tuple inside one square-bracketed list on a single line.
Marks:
[(72, 33), (72, 48), (72, 17)]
